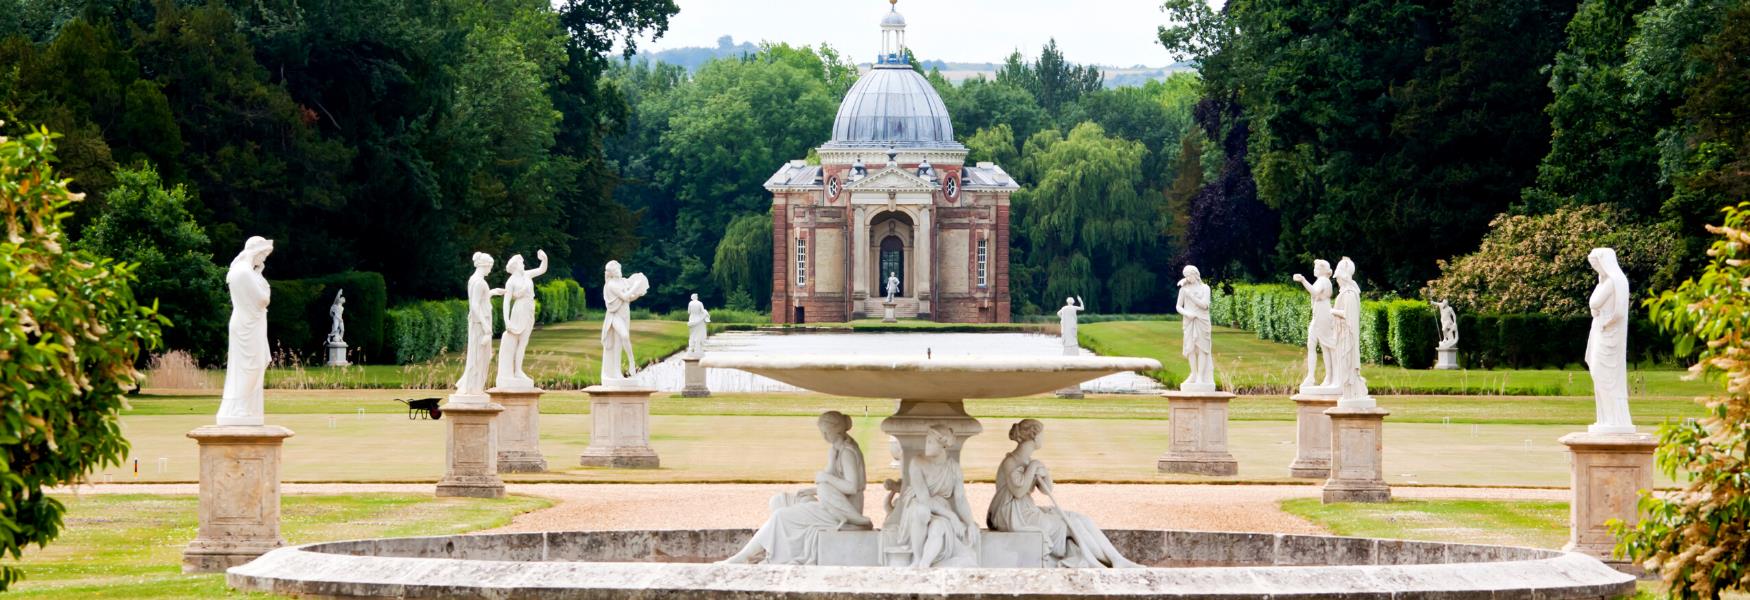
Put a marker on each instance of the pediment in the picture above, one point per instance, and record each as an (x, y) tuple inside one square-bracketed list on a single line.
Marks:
[(892, 179)]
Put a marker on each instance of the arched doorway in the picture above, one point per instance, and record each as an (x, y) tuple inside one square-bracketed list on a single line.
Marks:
[(892, 261)]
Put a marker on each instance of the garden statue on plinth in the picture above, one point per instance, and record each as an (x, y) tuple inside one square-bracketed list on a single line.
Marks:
[(1448, 346), (619, 411), (887, 313), (1612, 463), (1357, 471), (618, 293), (1312, 432), (519, 322), (892, 286), (471, 457), (930, 523), (1193, 307), (1073, 538), (1066, 327), (336, 342), (1318, 331), (698, 321), (791, 535), (478, 354), (1198, 411), (239, 507)]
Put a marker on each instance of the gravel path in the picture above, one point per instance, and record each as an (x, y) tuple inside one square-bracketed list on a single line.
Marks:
[(661, 506)]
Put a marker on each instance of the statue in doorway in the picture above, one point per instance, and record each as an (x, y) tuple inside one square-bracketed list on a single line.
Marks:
[(892, 286)]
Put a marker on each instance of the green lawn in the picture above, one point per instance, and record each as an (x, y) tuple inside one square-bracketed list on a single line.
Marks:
[(1536, 524), (1251, 365), (130, 546)]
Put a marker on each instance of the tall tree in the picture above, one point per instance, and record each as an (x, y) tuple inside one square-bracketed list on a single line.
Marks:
[(1054, 82), (1088, 222)]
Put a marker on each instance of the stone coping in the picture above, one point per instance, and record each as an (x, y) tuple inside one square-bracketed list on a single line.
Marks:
[(673, 564), (944, 364)]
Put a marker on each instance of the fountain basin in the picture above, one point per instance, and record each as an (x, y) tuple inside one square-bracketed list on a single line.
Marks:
[(920, 378), (669, 564)]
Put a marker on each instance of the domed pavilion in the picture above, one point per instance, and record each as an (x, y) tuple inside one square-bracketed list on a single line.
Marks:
[(892, 195)]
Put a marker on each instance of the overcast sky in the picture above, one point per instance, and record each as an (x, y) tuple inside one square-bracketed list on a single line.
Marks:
[(1107, 32)]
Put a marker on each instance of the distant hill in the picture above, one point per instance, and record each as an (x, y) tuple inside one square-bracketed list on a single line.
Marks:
[(693, 57)]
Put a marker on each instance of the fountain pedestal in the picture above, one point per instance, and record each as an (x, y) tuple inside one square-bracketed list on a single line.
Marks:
[(471, 470), (1312, 436), (1199, 434), (519, 430), (915, 418), (1609, 471), (239, 517), (619, 432), (695, 378), (1357, 468)]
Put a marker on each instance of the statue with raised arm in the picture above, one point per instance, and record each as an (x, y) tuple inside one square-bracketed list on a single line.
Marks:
[(1072, 538), (697, 321), (931, 518), (1193, 307), (1607, 344), (1344, 361), (892, 286), (247, 355), (478, 353), (1318, 331), (791, 535), (1448, 325), (519, 321), (337, 324), (1066, 321), (618, 292)]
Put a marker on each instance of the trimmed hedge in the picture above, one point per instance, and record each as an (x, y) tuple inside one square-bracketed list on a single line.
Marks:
[(1375, 333), (1414, 330), (297, 319), (420, 331)]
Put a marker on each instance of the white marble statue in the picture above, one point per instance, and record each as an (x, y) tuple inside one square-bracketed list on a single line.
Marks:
[(697, 320), (519, 322), (1344, 361), (1318, 331), (790, 535), (1193, 307), (892, 286), (1448, 325), (1607, 344), (931, 518), (247, 357), (1066, 320), (618, 292), (337, 322), (1073, 539), (478, 353)]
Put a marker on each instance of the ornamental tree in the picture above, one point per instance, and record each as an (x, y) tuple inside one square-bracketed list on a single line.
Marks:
[(1698, 540), (70, 334)]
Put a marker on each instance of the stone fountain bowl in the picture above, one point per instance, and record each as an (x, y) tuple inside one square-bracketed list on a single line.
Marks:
[(921, 378), (673, 564)]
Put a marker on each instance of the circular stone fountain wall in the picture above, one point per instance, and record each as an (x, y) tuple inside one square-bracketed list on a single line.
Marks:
[(675, 564)]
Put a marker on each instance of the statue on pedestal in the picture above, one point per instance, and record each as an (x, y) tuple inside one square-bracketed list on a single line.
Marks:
[(337, 325), (618, 292), (1448, 325), (1344, 361), (1066, 321), (892, 286), (519, 321), (478, 353), (1318, 331), (1607, 344), (697, 320), (791, 534), (248, 355), (931, 517), (1193, 307), (1073, 539)]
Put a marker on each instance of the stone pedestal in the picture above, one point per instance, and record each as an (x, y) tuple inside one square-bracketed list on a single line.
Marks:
[(695, 378), (1609, 471), (1357, 468), (239, 496), (887, 313), (1199, 434), (1312, 436), (471, 469), (519, 430), (1448, 359), (912, 422), (337, 354), (619, 428)]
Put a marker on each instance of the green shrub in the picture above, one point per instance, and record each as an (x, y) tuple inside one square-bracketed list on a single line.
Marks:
[(1414, 331), (1375, 333), (559, 301), (298, 322)]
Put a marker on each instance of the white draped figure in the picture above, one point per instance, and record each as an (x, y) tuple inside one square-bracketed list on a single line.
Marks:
[(697, 320), (1448, 325), (618, 292), (1318, 331), (1607, 345), (791, 535), (892, 286), (1066, 321), (931, 517), (1344, 361), (247, 356), (1193, 307), (1073, 539), (519, 321), (336, 318), (479, 350)]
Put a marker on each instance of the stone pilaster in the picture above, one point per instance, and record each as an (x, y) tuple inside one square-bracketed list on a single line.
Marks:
[(1312, 436), (239, 517), (471, 464), (1609, 472), (519, 430), (695, 378), (1357, 465), (1199, 434), (619, 428)]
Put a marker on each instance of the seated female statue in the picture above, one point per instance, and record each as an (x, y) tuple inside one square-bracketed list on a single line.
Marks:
[(1073, 539), (835, 502)]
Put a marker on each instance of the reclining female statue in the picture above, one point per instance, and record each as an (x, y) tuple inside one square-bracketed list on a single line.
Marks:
[(1072, 538), (790, 536)]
